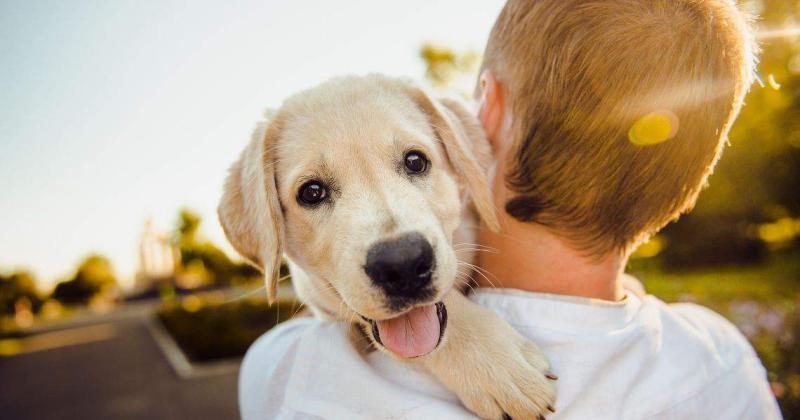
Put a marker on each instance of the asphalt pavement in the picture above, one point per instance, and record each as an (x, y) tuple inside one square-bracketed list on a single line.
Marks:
[(111, 369)]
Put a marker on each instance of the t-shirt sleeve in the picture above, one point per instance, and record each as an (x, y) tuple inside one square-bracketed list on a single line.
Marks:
[(266, 369), (743, 391)]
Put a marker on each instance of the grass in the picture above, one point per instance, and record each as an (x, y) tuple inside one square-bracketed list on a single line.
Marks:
[(775, 282)]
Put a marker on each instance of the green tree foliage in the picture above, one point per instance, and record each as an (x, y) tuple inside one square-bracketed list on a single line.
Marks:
[(757, 180), (94, 276), (17, 286), (198, 252), (450, 70), (188, 225), (759, 172), (443, 66)]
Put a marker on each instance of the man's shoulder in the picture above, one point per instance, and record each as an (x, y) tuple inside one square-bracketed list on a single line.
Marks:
[(277, 347), (697, 325), (269, 364), (707, 362), (286, 335)]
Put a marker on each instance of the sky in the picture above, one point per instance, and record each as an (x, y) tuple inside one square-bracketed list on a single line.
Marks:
[(116, 112)]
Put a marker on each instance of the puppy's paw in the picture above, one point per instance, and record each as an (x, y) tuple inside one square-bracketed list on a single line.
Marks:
[(516, 383), (494, 370)]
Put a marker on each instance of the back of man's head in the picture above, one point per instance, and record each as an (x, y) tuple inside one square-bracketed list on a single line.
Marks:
[(619, 110)]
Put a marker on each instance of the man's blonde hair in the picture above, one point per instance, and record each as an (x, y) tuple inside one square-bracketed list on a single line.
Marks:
[(582, 77)]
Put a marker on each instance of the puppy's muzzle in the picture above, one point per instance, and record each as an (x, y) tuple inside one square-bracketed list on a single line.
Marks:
[(403, 267)]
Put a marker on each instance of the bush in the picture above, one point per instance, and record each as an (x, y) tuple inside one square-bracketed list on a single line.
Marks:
[(16, 287), (198, 252), (711, 240), (93, 276), (207, 330)]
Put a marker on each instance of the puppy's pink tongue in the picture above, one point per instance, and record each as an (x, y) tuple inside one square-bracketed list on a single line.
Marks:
[(412, 334)]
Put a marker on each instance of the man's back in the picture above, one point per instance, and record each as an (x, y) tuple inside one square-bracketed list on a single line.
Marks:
[(636, 359)]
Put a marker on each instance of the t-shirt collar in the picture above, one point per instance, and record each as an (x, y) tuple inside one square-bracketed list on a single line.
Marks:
[(558, 312)]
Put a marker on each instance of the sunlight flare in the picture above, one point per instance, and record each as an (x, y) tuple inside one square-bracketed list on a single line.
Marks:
[(777, 33), (773, 83), (654, 128)]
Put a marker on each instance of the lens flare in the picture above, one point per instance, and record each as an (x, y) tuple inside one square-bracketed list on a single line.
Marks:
[(778, 33), (773, 83), (654, 128)]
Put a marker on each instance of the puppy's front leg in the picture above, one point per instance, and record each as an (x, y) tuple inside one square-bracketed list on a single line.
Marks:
[(489, 365)]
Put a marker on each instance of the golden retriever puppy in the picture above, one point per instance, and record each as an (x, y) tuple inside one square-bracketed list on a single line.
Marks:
[(371, 190)]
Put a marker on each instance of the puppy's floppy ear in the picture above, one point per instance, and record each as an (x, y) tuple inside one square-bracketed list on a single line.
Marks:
[(466, 147), (250, 212)]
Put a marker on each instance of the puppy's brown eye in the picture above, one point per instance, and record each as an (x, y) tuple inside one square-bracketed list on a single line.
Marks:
[(312, 193), (416, 163)]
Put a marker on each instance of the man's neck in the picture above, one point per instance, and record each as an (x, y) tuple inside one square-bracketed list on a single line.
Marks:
[(530, 257)]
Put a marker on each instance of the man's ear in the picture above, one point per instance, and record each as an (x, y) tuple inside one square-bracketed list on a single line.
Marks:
[(492, 108), (466, 148), (250, 211)]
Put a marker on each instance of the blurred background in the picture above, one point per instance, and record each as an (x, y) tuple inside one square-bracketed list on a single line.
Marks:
[(119, 296)]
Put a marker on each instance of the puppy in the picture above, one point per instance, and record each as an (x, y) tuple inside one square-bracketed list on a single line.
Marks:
[(371, 189)]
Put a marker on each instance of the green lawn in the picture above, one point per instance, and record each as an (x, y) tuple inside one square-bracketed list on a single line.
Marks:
[(775, 282)]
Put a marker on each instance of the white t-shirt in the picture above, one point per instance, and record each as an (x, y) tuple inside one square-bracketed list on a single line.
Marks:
[(634, 359)]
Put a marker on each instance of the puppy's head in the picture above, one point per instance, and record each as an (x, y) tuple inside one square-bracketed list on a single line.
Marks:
[(361, 183)]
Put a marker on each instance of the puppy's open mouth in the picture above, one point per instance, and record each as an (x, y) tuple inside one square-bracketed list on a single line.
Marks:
[(414, 333)]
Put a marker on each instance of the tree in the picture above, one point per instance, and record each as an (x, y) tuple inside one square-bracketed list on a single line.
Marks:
[(188, 225), (756, 181), (15, 287), (93, 276), (450, 70), (197, 253)]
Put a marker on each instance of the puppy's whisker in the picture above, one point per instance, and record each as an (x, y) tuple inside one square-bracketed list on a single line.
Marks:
[(463, 279), (469, 284), (464, 275), (250, 293), (478, 268), (300, 307), (323, 287), (475, 250), (483, 273), (244, 295), (473, 244)]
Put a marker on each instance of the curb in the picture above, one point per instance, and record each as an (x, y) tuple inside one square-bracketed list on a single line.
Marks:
[(178, 360)]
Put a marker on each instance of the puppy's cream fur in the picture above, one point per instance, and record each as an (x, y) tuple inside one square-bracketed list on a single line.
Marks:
[(352, 133)]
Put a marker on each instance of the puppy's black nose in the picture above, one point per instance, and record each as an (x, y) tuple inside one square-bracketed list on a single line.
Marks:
[(402, 267)]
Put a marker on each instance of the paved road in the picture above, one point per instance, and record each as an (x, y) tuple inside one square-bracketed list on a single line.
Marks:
[(119, 374)]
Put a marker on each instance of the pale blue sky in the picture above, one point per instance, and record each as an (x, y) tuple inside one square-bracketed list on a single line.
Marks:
[(118, 111)]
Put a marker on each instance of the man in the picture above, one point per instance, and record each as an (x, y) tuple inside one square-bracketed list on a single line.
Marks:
[(606, 117)]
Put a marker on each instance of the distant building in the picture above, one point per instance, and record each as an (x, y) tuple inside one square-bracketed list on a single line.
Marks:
[(159, 259)]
